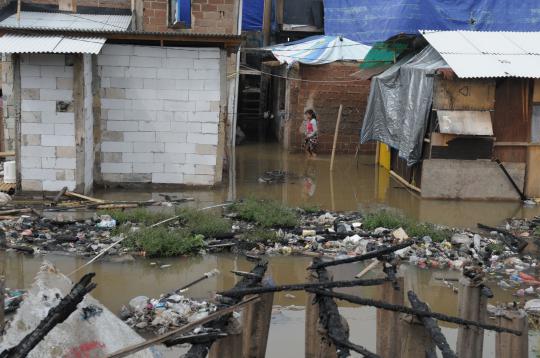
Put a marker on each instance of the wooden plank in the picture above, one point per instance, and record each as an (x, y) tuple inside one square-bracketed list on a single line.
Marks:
[(536, 93), (440, 139), (7, 154), (532, 177), (464, 94)]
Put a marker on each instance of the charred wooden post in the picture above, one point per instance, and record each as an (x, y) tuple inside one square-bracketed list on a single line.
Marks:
[(388, 322), (431, 326), (415, 340), (2, 300), (472, 305), (256, 325), (508, 345), (230, 346)]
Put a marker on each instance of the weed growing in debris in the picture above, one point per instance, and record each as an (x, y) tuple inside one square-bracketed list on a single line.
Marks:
[(537, 231), (260, 235), (496, 248), (393, 220), (266, 213), (139, 215), (164, 242), (204, 223), (310, 208)]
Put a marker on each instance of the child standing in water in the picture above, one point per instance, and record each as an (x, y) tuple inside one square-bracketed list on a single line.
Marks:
[(310, 141)]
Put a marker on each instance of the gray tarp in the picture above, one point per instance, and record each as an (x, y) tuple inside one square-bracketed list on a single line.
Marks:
[(399, 103)]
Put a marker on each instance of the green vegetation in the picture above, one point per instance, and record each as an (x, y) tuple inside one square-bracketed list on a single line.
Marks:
[(496, 248), (139, 215), (537, 231), (266, 213), (260, 235), (204, 223), (164, 242), (310, 208), (393, 220)]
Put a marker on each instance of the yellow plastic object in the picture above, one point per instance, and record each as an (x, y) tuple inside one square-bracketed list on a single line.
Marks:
[(384, 155)]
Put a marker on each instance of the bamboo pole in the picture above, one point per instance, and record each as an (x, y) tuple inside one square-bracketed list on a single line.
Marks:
[(335, 137), (509, 345)]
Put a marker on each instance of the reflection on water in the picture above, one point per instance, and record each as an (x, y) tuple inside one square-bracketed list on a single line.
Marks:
[(353, 185), (118, 283)]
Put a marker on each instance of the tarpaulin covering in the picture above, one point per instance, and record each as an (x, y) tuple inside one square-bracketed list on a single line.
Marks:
[(318, 50), (399, 103), (252, 15), (371, 21)]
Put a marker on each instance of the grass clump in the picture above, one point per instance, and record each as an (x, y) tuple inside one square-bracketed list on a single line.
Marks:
[(139, 215), (537, 231), (496, 248), (204, 223), (393, 220), (164, 242), (260, 235), (310, 208), (266, 213)]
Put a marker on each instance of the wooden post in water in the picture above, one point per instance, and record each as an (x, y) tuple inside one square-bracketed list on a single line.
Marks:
[(388, 322), (415, 340), (230, 346), (335, 137), (510, 345), (472, 305), (2, 298), (256, 325)]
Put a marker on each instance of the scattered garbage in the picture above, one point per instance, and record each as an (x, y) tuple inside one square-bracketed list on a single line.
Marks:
[(106, 222), (12, 299)]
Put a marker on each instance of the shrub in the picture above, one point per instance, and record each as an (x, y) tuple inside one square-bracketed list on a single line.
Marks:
[(164, 242), (266, 213), (139, 215), (204, 222), (260, 235)]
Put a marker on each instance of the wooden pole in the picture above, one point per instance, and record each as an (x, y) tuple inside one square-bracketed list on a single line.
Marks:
[(230, 346), (256, 323), (388, 327), (509, 345), (267, 22), (472, 305), (335, 137), (18, 11), (2, 299), (415, 340)]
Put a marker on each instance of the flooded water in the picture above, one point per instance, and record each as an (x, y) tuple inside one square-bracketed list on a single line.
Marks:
[(353, 185)]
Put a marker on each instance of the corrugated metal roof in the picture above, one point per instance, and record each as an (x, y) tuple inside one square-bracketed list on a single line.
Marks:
[(11, 43), (473, 54), (68, 21)]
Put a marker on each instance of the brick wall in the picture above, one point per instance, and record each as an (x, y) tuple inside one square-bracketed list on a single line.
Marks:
[(119, 4), (324, 99), (160, 112), (47, 123)]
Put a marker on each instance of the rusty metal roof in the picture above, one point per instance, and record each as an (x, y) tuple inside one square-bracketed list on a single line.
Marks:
[(480, 54), (13, 43)]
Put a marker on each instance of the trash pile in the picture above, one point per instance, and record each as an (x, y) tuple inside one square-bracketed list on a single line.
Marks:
[(161, 315), (12, 299)]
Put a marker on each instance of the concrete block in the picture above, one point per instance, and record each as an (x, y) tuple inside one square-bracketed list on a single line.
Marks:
[(190, 85), (164, 116), (30, 93), (140, 137), (171, 137), (145, 61), (112, 136), (144, 94), (179, 148), (199, 179), (60, 117), (167, 178), (137, 157), (123, 126), (207, 64), (141, 72), (202, 106), (65, 163), (149, 51), (203, 74), (180, 116), (204, 95), (32, 185), (55, 95), (141, 115), (57, 71), (176, 62), (178, 106), (212, 85), (188, 52), (180, 168), (163, 84), (147, 167), (109, 49), (202, 138), (215, 106), (47, 59), (113, 60), (113, 157), (37, 151), (37, 128), (170, 158), (148, 105), (116, 168), (155, 126), (56, 185), (30, 117), (64, 83), (113, 114), (116, 147), (205, 149), (204, 117), (65, 152), (194, 127), (175, 95), (38, 105), (113, 72), (204, 159), (31, 139), (209, 53), (125, 83), (148, 147), (205, 169), (169, 73), (31, 162), (209, 128), (64, 129), (107, 103), (57, 140), (38, 174), (113, 93), (104, 83), (30, 70)]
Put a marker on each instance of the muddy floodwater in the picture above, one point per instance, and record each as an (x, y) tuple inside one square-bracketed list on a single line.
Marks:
[(118, 283), (355, 184)]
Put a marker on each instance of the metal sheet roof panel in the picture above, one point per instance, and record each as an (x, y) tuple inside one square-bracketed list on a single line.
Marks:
[(11, 43)]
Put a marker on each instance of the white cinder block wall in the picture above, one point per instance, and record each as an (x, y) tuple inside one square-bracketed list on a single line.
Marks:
[(160, 113), (47, 131), (88, 115)]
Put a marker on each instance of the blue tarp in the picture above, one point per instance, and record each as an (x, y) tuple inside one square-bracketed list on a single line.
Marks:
[(252, 15), (369, 21)]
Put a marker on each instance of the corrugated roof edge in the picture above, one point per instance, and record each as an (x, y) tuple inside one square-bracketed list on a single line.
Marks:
[(505, 31)]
